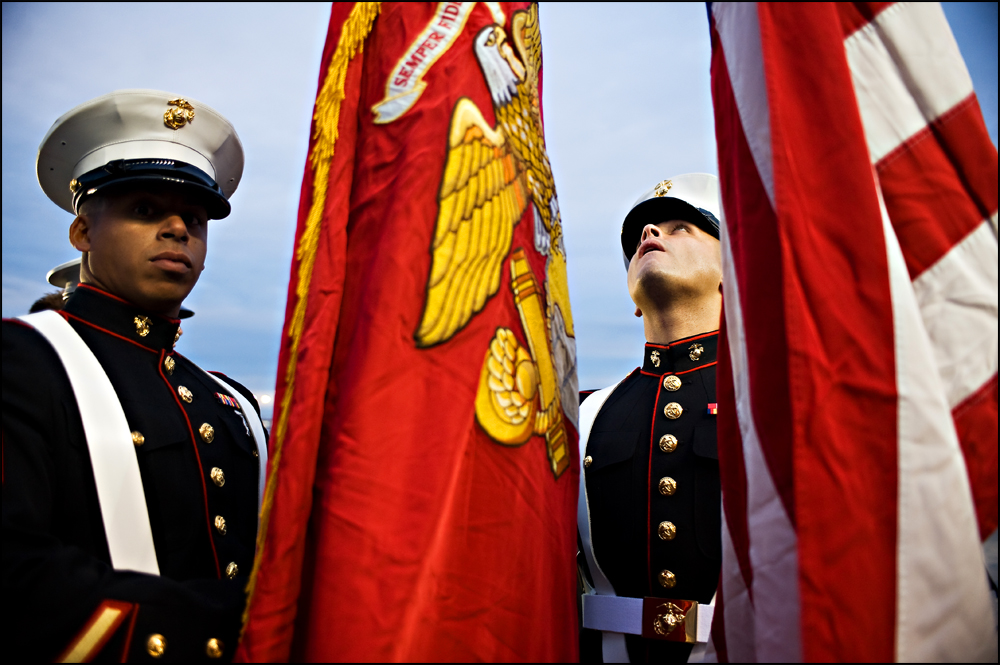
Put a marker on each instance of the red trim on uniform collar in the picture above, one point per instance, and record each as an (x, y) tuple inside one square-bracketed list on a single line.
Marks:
[(108, 294), (682, 340), (67, 316), (687, 371)]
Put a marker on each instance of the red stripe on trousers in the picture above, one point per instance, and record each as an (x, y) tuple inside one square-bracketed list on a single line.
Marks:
[(940, 185), (840, 334), (976, 422)]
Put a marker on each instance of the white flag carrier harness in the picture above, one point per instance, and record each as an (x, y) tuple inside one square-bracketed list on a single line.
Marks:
[(112, 453)]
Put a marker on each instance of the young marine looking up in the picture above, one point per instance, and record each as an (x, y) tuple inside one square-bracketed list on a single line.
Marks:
[(650, 515), (132, 477)]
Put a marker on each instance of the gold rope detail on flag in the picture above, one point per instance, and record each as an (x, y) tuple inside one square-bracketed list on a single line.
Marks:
[(353, 34)]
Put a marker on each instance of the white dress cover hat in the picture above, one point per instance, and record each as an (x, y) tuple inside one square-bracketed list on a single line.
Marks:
[(141, 135), (693, 197)]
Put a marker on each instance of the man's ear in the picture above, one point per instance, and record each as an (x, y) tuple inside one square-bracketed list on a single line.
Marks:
[(638, 312), (79, 233)]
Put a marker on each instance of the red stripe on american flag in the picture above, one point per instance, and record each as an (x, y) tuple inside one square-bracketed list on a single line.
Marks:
[(976, 422), (927, 184), (856, 15), (839, 317)]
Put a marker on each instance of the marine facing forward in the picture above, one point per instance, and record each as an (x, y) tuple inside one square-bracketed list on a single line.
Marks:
[(132, 477), (650, 521)]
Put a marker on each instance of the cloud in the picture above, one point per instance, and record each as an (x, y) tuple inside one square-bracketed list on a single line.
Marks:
[(626, 104)]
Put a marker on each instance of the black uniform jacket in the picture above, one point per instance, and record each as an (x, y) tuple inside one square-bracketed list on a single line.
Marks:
[(199, 469), (652, 477)]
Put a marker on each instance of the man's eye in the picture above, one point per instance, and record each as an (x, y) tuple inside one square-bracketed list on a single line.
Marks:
[(143, 210), (191, 219)]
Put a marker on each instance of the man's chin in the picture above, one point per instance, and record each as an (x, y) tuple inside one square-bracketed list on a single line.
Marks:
[(654, 284), (164, 301)]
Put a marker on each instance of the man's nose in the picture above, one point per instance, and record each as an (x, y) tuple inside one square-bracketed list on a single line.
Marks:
[(174, 227), (650, 230)]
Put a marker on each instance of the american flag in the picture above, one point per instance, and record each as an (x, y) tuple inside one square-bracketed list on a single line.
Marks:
[(858, 372)]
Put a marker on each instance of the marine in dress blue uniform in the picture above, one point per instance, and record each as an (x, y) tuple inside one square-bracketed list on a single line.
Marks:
[(193, 439), (651, 467)]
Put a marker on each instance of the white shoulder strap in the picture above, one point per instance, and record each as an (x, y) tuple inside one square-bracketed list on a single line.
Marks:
[(112, 453), (613, 643), (257, 430)]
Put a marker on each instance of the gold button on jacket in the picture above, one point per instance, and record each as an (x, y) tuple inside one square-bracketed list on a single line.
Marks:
[(156, 644), (232, 570), (667, 579), (218, 477), (666, 531), (185, 394), (668, 443), (673, 410), (667, 486), (137, 438), (213, 648), (169, 364), (207, 433), (220, 524), (672, 383), (587, 461)]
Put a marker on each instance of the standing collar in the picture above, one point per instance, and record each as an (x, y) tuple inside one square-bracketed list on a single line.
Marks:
[(108, 313), (682, 355)]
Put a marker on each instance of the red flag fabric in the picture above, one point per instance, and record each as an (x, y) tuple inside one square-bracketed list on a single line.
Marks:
[(858, 381), (422, 492)]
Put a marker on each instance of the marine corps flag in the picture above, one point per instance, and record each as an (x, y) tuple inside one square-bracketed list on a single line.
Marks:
[(858, 362), (422, 497)]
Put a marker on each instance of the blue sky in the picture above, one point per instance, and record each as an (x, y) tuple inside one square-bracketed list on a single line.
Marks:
[(626, 98)]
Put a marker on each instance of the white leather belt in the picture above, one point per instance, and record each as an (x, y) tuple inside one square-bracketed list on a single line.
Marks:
[(653, 618)]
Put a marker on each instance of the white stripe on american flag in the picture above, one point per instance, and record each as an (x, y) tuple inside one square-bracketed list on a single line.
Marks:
[(958, 302), (737, 607), (737, 24), (907, 72), (773, 552), (938, 605), (919, 78)]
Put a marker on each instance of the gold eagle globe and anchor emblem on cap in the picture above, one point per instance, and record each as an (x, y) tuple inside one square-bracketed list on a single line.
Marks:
[(662, 188), (181, 114)]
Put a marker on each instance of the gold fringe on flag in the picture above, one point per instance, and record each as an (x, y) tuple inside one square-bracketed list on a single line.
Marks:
[(353, 34)]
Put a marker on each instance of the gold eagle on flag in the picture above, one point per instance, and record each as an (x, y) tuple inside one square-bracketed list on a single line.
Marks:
[(491, 175)]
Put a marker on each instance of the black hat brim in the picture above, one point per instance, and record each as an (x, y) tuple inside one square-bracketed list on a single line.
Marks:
[(138, 173), (657, 210)]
